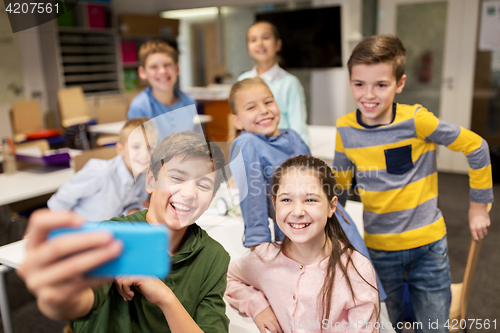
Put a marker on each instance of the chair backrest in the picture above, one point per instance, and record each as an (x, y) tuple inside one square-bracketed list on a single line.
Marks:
[(104, 153), (111, 109), (72, 106), (26, 117)]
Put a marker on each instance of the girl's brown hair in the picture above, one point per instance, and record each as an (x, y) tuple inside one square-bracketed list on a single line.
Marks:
[(340, 244)]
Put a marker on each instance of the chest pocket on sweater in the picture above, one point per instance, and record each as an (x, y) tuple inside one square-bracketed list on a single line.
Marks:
[(398, 160)]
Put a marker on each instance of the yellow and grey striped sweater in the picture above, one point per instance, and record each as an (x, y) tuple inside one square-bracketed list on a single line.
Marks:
[(396, 173)]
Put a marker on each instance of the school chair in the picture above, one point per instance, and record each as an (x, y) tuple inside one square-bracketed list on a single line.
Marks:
[(103, 153), (110, 110), (26, 120), (74, 115), (460, 292)]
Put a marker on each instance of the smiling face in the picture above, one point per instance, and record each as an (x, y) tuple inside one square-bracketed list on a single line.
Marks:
[(302, 207), (373, 88), (161, 72), (182, 192), (135, 151), (262, 43), (256, 110)]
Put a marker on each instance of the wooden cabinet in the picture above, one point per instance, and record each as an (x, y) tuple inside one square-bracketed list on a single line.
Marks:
[(220, 129)]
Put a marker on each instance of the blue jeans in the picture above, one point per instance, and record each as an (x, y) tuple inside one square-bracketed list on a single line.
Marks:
[(426, 269)]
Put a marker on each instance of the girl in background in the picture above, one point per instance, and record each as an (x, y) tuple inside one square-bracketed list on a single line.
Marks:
[(264, 43), (314, 280)]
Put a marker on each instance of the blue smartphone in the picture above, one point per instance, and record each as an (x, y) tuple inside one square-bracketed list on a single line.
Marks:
[(145, 248)]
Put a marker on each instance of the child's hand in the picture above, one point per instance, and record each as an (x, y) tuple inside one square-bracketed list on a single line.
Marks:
[(267, 319), (54, 270), (153, 289), (124, 286), (479, 220)]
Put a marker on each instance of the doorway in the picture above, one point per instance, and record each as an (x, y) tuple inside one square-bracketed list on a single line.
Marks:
[(440, 41)]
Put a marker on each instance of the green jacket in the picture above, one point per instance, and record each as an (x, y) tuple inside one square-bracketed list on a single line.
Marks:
[(197, 278)]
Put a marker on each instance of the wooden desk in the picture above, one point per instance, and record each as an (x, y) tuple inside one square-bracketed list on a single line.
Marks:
[(31, 183)]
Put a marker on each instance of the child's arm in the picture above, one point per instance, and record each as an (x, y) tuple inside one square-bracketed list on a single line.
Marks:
[(296, 104), (54, 270), (83, 184), (158, 293), (475, 148), (343, 169), (248, 175), (365, 309), (242, 283), (210, 315)]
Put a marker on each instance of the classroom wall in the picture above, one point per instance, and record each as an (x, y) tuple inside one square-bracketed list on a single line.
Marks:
[(34, 78), (329, 92)]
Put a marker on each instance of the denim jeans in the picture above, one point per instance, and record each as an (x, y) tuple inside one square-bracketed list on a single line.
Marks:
[(426, 269)]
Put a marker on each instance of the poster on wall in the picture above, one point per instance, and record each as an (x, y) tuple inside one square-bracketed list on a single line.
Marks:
[(489, 37)]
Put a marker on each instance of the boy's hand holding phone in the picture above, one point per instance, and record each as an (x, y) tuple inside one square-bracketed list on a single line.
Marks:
[(66, 258), (54, 270), (145, 248)]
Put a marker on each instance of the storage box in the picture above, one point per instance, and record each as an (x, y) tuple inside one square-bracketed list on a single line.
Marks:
[(131, 79), (68, 19), (129, 52), (96, 16)]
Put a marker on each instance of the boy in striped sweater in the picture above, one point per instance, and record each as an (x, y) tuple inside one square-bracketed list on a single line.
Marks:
[(392, 147)]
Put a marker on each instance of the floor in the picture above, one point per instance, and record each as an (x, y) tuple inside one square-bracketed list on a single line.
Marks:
[(484, 301)]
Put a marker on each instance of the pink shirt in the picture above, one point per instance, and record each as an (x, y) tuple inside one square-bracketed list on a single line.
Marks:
[(261, 279)]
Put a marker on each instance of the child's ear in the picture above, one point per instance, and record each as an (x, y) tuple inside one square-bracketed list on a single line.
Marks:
[(401, 84), (237, 122), (150, 181), (333, 206), (279, 43), (142, 72), (119, 148)]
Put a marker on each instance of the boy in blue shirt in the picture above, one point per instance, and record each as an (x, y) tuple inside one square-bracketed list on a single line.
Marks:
[(159, 66), (106, 188)]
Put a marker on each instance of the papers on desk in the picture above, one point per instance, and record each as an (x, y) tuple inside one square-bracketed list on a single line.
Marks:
[(34, 155)]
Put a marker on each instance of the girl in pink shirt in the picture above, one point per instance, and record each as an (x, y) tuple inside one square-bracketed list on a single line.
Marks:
[(313, 281)]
